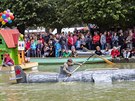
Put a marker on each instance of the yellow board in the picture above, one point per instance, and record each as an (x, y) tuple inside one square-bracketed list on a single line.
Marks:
[(21, 57), (29, 65)]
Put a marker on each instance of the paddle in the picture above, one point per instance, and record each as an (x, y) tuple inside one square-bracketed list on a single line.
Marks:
[(79, 66), (107, 61)]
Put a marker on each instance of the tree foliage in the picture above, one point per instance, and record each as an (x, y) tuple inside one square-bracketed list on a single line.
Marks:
[(66, 13)]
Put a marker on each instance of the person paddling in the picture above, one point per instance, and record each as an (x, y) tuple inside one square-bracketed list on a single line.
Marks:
[(67, 68)]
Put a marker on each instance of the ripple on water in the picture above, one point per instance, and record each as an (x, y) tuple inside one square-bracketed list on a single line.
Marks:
[(76, 91)]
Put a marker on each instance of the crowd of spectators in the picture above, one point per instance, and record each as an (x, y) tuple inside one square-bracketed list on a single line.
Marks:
[(66, 44)]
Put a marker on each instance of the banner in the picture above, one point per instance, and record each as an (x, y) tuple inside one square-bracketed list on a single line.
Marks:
[(21, 45)]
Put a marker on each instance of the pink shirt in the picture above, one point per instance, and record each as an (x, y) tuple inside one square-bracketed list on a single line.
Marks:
[(70, 41)]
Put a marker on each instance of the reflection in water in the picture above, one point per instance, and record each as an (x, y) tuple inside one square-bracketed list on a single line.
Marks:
[(72, 91)]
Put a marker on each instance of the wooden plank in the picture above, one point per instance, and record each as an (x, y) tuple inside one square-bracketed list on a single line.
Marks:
[(24, 66)]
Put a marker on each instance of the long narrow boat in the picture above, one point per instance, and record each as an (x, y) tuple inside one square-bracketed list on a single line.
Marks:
[(62, 60), (96, 76)]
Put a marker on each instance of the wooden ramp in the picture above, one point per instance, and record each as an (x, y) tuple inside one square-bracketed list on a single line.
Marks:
[(31, 65), (10, 71)]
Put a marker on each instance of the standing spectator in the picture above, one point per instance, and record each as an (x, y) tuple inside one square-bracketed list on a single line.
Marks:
[(78, 43), (82, 38), (35, 40), (39, 48), (134, 38), (108, 40), (129, 40), (121, 42), (41, 39), (74, 39), (96, 39), (27, 48), (88, 40), (33, 48), (115, 40), (70, 40), (63, 41), (103, 41), (57, 48), (46, 37)]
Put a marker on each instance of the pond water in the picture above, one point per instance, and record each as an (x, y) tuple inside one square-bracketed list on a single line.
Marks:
[(71, 91)]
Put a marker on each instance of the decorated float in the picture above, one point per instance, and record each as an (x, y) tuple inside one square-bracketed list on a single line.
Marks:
[(11, 42)]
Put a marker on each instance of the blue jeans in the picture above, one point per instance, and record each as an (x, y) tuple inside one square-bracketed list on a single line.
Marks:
[(57, 53), (33, 52), (28, 53), (103, 46)]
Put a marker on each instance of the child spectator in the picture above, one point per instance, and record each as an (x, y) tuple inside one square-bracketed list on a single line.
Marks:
[(27, 48), (46, 50), (78, 44), (65, 53), (51, 52), (39, 48), (57, 48), (73, 52), (33, 48)]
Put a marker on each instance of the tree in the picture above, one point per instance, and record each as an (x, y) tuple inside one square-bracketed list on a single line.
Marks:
[(28, 12), (66, 13), (104, 13)]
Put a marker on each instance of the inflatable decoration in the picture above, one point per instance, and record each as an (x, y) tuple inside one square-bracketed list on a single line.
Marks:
[(6, 17)]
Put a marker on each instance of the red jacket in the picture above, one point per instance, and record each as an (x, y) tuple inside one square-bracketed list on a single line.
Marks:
[(96, 39), (115, 53), (8, 59), (108, 38), (27, 45)]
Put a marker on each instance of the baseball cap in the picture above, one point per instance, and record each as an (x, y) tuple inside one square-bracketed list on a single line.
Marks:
[(70, 60)]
